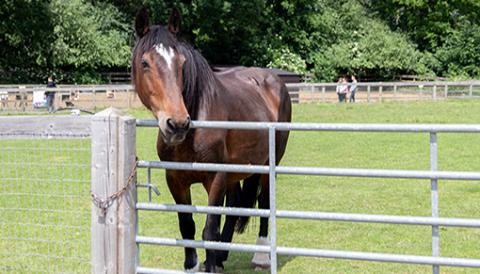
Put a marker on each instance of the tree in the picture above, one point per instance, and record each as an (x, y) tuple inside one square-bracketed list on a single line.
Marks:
[(88, 37), (460, 54), (79, 38), (365, 46), (25, 37), (437, 27)]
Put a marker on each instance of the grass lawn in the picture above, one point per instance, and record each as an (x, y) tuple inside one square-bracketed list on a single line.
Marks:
[(330, 194)]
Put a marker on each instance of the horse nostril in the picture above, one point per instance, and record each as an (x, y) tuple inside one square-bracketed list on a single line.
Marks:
[(171, 124), (187, 123), (176, 126)]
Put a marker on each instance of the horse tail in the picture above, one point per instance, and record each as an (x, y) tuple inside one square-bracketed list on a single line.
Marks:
[(248, 198)]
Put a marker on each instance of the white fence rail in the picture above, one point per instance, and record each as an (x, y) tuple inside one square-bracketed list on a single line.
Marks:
[(386, 91), (91, 97), (86, 97), (433, 175)]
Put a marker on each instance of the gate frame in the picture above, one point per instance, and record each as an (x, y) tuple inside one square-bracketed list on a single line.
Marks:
[(130, 239)]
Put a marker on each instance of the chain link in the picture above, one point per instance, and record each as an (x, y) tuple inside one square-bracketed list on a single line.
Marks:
[(104, 204)]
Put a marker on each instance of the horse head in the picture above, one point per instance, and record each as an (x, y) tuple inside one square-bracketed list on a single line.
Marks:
[(157, 72)]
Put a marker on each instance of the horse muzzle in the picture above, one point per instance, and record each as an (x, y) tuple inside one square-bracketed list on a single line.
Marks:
[(174, 132)]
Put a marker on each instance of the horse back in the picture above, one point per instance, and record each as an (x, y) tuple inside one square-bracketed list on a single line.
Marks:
[(256, 93)]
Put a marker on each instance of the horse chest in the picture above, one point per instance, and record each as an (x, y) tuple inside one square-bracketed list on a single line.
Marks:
[(204, 152)]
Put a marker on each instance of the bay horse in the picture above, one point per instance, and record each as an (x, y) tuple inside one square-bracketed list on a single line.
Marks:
[(176, 83)]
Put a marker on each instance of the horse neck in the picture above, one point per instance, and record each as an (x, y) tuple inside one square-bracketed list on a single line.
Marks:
[(201, 86)]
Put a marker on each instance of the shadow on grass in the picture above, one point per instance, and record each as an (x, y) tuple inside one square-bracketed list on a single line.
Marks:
[(240, 263)]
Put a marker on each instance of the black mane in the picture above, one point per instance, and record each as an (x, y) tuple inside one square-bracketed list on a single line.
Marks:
[(199, 82)]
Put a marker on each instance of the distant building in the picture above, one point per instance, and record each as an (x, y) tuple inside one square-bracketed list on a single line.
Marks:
[(286, 76)]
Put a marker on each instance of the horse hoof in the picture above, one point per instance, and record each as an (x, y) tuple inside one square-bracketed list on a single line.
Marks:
[(196, 268), (218, 268), (258, 267), (261, 261)]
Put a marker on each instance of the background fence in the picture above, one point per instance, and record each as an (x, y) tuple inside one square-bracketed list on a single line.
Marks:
[(386, 91), (44, 195), (87, 97), (92, 97)]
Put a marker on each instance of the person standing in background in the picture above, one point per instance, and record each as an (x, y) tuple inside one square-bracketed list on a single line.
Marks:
[(342, 89), (50, 95), (353, 89)]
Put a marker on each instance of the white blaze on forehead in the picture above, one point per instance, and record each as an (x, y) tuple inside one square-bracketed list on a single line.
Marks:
[(167, 54)]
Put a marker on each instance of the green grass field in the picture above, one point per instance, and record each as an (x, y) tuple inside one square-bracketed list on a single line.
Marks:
[(330, 194)]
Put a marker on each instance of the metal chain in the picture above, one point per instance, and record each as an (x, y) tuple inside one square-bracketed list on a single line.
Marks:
[(104, 204)]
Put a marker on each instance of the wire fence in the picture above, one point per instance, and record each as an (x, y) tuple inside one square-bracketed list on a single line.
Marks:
[(44, 202)]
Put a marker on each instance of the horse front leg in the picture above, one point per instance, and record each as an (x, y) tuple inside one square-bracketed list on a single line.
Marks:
[(216, 189), (181, 194)]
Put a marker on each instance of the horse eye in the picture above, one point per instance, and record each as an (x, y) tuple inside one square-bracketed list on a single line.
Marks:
[(145, 64)]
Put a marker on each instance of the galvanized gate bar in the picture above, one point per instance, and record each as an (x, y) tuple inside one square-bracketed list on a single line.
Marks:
[(206, 209), (148, 270), (379, 257), (203, 244), (314, 215), (204, 166), (386, 219), (434, 200), (349, 172), (380, 173), (272, 199), (337, 254), (327, 127)]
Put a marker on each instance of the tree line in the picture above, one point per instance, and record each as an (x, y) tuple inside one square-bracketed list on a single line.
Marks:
[(77, 39)]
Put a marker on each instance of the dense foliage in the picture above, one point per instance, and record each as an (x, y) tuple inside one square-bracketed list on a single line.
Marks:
[(378, 39)]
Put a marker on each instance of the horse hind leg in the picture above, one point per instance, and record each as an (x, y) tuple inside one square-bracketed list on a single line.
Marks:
[(237, 196), (262, 260)]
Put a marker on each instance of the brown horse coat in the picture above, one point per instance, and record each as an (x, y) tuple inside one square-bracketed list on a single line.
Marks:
[(176, 83)]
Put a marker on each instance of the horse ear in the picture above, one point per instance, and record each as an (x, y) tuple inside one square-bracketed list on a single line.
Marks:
[(142, 22), (174, 21)]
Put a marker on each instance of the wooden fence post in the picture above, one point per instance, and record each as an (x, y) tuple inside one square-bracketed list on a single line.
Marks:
[(323, 94), (368, 93), (94, 100), (380, 91), (113, 193)]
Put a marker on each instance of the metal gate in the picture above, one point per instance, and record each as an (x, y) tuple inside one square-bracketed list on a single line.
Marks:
[(433, 175)]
